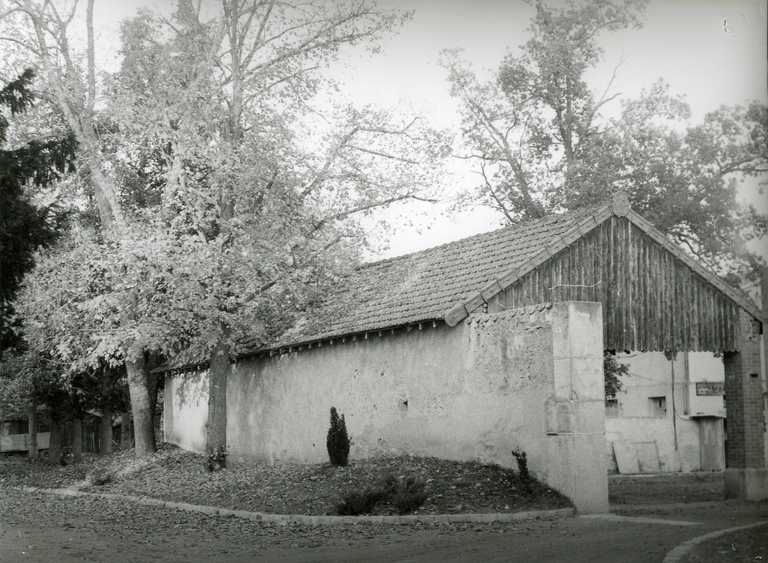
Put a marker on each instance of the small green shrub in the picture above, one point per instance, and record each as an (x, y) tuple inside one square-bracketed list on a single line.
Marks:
[(406, 495), (217, 459), (338, 441), (389, 483), (409, 495), (522, 465), (360, 502)]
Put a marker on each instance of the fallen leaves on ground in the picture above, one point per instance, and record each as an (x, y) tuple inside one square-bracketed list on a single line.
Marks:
[(172, 474)]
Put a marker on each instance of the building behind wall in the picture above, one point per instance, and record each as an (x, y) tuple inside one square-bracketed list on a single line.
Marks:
[(670, 417)]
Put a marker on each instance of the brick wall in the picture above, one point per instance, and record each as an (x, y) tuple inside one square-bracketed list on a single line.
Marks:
[(744, 398)]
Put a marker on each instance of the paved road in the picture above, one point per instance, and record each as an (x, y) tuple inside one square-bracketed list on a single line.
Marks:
[(38, 527)]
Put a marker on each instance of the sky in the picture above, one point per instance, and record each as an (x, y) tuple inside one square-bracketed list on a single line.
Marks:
[(712, 52), (684, 42)]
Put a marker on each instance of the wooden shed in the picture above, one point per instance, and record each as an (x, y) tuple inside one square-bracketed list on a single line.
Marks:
[(654, 298)]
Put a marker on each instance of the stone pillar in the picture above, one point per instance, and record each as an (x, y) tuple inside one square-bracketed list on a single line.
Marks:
[(576, 409), (746, 476)]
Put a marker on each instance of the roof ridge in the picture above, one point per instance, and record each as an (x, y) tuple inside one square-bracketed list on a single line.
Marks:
[(523, 225), (594, 216)]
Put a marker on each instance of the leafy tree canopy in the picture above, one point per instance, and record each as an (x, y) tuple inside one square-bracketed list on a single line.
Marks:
[(226, 202), (542, 146), (24, 226)]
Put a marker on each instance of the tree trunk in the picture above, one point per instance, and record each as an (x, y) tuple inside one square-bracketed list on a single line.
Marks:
[(143, 409), (153, 386), (54, 445), (33, 452), (217, 398), (77, 449), (106, 430), (125, 431)]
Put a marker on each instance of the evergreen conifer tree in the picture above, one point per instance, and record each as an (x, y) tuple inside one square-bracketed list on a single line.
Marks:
[(338, 440)]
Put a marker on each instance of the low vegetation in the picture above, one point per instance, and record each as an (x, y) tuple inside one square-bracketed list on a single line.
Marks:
[(409, 483), (405, 494)]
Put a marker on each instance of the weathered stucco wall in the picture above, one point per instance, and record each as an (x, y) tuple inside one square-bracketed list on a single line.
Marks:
[(527, 378), (186, 410)]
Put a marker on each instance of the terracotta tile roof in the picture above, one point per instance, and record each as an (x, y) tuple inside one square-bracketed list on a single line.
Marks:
[(449, 281), (425, 285)]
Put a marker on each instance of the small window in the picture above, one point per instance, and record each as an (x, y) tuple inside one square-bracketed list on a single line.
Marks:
[(658, 406)]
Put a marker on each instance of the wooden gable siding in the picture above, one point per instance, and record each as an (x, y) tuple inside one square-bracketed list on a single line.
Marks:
[(651, 300)]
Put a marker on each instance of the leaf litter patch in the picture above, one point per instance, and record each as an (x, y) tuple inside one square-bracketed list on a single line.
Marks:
[(172, 474)]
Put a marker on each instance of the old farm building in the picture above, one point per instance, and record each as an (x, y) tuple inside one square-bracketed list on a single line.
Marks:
[(477, 347)]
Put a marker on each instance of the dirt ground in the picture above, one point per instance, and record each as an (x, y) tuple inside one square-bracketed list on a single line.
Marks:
[(652, 521), (737, 547)]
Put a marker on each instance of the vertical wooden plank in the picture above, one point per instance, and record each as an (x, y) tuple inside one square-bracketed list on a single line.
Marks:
[(540, 288), (641, 288), (629, 329), (528, 297), (617, 281), (652, 297), (686, 307), (613, 294), (697, 301), (707, 317), (633, 287), (679, 308), (575, 253), (658, 303), (676, 309), (570, 273), (650, 327), (592, 273), (682, 308), (623, 281), (627, 276), (605, 269), (664, 308), (548, 281), (713, 324), (658, 291), (720, 321), (669, 307), (630, 273), (703, 316), (638, 295)]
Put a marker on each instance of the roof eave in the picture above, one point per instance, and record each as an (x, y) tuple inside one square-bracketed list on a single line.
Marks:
[(618, 207)]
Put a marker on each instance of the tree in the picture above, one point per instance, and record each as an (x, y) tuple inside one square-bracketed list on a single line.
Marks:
[(268, 221), (613, 371), (24, 227), (43, 31), (232, 203), (542, 146)]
